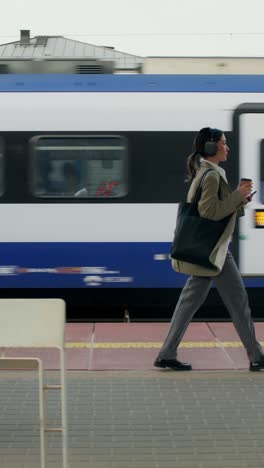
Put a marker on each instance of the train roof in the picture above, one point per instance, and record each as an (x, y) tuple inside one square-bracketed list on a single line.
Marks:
[(132, 83)]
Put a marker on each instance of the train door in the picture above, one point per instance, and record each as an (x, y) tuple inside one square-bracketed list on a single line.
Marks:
[(249, 132)]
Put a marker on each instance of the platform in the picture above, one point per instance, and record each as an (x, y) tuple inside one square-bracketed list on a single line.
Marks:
[(139, 419), (124, 413), (134, 346)]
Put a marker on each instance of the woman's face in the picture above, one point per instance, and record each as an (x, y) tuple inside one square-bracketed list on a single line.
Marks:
[(223, 150)]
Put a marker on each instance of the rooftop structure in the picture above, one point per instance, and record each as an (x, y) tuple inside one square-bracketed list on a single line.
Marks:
[(57, 54), (204, 65)]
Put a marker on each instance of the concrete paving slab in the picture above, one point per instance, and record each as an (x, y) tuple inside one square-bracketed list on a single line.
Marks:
[(79, 332), (200, 358), (135, 346), (107, 359), (155, 333), (126, 332), (77, 359), (207, 358), (260, 330), (149, 332), (223, 331), (139, 419), (227, 334), (198, 331)]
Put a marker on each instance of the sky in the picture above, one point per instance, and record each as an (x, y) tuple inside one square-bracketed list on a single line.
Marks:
[(144, 27)]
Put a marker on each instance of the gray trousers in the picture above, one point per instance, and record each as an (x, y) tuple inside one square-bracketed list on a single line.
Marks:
[(232, 291)]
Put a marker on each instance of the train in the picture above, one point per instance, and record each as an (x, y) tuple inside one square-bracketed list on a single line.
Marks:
[(92, 168)]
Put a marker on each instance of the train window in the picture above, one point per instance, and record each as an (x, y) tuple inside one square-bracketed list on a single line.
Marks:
[(79, 166)]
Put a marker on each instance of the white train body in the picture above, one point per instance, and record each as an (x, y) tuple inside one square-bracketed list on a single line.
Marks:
[(120, 240)]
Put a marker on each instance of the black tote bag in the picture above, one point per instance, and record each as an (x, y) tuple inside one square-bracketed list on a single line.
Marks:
[(194, 236)]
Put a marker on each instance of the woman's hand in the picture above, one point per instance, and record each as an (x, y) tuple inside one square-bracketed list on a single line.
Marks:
[(245, 189)]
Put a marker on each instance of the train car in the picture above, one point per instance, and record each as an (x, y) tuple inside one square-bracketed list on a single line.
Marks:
[(91, 171)]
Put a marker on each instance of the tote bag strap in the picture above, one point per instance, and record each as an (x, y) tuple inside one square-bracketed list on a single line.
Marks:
[(199, 189)]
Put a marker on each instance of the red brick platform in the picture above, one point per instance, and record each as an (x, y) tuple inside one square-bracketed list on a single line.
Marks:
[(134, 346)]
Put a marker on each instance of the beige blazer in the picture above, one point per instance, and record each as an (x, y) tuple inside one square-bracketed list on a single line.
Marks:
[(211, 207)]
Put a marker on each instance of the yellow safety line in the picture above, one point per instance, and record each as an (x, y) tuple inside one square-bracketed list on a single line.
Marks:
[(144, 345)]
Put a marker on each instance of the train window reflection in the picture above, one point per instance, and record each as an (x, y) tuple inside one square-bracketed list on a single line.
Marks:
[(79, 166)]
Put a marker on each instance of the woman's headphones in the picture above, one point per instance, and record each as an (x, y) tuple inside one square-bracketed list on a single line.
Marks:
[(210, 147)]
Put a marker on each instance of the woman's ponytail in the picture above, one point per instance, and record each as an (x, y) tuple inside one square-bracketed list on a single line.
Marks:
[(193, 164), (205, 135)]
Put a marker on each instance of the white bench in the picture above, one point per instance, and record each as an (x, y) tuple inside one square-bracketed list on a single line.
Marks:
[(36, 323)]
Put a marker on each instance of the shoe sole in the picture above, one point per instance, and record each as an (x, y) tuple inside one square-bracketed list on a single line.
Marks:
[(177, 369)]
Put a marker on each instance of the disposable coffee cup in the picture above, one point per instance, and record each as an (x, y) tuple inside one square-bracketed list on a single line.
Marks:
[(243, 179)]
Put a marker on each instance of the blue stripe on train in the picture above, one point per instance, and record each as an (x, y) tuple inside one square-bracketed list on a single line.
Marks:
[(132, 83), (82, 265), (86, 265)]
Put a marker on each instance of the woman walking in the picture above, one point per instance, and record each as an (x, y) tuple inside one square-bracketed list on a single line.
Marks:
[(217, 201)]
